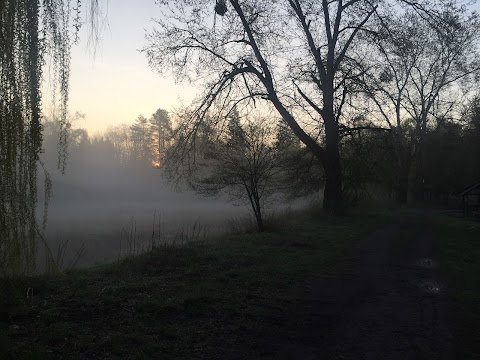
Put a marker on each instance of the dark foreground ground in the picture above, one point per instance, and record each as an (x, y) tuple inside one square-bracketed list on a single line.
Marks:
[(398, 286)]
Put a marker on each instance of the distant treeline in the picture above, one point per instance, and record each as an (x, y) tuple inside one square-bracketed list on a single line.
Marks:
[(142, 143), (376, 162), (431, 165)]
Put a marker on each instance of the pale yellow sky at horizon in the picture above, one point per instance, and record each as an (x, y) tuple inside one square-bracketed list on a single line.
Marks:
[(115, 85)]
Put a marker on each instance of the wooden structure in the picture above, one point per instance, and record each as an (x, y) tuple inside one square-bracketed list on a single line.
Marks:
[(471, 200)]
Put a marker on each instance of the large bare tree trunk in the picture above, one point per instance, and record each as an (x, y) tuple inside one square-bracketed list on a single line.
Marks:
[(329, 156), (332, 197), (419, 172), (402, 190), (402, 184)]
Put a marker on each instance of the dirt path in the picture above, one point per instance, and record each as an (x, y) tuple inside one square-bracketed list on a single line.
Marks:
[(393, 307)]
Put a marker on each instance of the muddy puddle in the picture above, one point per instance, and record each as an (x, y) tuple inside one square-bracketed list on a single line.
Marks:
[(426, 263), (428, 286)]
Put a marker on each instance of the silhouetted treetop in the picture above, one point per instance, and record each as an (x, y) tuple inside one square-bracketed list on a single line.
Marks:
[(304, 59)]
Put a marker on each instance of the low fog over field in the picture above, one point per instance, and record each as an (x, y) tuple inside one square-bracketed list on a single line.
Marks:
[(111, 201), (109, 204), (103, 208)]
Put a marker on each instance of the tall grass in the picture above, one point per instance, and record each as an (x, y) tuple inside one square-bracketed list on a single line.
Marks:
[(133, 242), (55, 260)]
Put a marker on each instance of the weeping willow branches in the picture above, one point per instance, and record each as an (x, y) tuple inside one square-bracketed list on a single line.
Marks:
[(30, 31)]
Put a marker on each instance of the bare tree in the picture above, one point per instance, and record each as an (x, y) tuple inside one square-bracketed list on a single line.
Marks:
[(421, 66), (120, 137), (300, 57)]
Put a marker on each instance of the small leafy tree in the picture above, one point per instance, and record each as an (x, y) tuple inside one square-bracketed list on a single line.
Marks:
[(242, 163)]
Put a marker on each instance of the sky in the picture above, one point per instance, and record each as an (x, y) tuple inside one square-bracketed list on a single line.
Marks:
[(115, 85)]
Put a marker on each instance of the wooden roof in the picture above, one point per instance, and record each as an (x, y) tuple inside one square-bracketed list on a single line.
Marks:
[(469, 189)]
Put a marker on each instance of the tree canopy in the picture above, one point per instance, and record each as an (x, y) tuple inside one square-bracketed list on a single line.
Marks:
[(306, 60)]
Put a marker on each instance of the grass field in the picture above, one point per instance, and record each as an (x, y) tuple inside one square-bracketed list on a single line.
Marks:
[(217, 299), (459, 251), (203, 300)]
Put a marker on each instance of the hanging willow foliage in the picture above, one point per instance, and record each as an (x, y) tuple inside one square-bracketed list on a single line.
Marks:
[(30, 32)]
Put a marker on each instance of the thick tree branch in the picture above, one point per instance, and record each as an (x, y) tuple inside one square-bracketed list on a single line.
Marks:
[(352, 36), (311, 43)]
